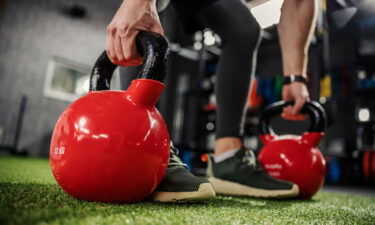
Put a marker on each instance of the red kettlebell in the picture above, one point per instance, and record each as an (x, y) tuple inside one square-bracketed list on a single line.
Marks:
[(113, 146), (295, 158)]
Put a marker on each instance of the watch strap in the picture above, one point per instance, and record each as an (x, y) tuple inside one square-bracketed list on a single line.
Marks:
[(294, 78)]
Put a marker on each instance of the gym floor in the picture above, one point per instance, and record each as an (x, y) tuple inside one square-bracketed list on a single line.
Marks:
[(30, 195)]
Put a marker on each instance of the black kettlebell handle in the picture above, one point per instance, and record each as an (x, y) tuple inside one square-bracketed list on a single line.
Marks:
[(313, 109), (154, 49)]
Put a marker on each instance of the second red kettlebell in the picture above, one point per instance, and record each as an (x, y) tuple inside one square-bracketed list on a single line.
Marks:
[(295, 158), (113, 146)]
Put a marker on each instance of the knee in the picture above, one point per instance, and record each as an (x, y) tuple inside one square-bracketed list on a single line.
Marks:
[(250, 37), (245, 38)]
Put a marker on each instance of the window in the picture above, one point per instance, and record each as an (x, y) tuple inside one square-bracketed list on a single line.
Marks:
[(67, 80)]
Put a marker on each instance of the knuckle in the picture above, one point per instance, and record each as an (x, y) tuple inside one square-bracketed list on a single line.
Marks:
[(123, 30), (111, 29)]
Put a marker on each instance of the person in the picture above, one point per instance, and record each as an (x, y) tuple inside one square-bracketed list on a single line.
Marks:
[(233, 169)]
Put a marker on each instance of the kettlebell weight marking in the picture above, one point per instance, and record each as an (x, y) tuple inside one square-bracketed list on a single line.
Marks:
[(59, 150)]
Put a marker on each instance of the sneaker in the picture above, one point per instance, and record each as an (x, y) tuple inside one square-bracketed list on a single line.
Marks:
[(179, 185), (243, 175)]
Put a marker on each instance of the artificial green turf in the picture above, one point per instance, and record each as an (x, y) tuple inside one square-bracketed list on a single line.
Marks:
[(29, 195)]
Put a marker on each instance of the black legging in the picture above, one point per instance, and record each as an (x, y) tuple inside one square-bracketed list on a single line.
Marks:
[(240, 34)]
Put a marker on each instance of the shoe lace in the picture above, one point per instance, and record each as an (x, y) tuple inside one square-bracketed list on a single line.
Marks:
[(250, 160), (174, 160)]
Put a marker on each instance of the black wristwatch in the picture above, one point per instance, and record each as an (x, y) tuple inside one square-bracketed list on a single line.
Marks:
[(294, 78)]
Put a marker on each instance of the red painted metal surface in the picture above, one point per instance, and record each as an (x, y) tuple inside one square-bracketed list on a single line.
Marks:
[(295, 158), (111, 146)]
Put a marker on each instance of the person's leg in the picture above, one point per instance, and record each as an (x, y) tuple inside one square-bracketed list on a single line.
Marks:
[(240, 34), (234, 170), (178, 183)]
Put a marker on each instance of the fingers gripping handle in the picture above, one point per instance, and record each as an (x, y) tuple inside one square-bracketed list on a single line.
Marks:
[(313, 109), (154, 49)]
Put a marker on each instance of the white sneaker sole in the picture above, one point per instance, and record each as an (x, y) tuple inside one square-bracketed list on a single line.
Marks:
[(205, 192), (231, 188)]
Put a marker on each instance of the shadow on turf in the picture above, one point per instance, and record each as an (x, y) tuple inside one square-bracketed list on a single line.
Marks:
[(33, 203), (238, 201)]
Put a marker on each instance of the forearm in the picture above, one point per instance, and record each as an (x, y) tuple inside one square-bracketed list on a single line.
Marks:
[(297, 23), (153, 1)]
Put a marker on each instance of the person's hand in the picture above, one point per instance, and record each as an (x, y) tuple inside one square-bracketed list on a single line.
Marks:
[(298, 93), (130, 18)]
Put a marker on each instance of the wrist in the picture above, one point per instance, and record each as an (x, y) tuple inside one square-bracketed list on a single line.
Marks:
[(141, 1), (292, 78), (295, 74)]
